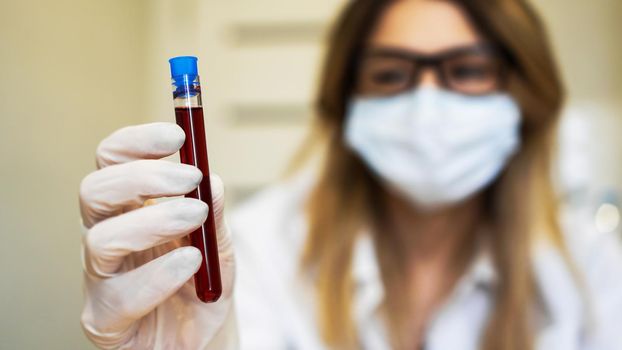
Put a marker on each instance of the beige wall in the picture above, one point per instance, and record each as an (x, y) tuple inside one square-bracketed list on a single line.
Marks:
[(587, 37), (73, 71)]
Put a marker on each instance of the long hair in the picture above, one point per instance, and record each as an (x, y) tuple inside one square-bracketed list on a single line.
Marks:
[(519, 203)]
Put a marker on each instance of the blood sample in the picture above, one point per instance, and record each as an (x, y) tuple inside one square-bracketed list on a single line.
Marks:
[(189, 116)]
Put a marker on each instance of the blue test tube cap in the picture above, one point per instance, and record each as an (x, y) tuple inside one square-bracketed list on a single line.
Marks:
[(183, 65)]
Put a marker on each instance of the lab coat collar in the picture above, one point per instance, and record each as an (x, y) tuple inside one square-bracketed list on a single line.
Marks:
[(548, 266), (370, 289)]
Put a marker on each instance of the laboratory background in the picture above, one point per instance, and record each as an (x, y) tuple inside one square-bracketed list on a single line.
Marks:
[(73, 71)]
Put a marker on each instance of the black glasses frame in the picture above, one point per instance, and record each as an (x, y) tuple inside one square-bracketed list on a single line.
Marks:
[(436, 61)]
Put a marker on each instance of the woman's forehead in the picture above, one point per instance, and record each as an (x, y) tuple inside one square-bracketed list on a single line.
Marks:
[(426, 26)]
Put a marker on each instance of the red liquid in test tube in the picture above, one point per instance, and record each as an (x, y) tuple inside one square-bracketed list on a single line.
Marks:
[(189, 116)]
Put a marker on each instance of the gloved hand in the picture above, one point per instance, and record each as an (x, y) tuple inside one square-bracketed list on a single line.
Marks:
[(138, 268)]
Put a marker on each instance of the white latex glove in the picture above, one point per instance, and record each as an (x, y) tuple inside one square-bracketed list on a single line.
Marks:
[(138, 268)]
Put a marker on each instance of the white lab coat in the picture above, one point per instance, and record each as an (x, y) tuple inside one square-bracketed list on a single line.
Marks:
[(276, 309)]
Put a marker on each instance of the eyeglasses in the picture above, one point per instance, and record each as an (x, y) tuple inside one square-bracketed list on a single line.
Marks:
[(471, 70)]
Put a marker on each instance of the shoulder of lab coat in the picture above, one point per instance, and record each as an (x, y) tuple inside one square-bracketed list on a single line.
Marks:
[(268, 234), (275, 304)]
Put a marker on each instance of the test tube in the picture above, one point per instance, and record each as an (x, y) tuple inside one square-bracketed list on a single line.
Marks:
[(189, 116)]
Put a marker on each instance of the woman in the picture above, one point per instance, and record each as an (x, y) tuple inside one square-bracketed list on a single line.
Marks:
[(431, 225)]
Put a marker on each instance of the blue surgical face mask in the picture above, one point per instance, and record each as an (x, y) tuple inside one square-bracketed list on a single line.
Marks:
[(434, 146)]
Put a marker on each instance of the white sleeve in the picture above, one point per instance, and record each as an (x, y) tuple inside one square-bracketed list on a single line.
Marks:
[(267, 232), (258, 321)]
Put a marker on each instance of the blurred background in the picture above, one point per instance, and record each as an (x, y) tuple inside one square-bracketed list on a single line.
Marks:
[(73, 71)]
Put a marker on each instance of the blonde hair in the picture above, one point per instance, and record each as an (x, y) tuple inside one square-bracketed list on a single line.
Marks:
[(521, 201)]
